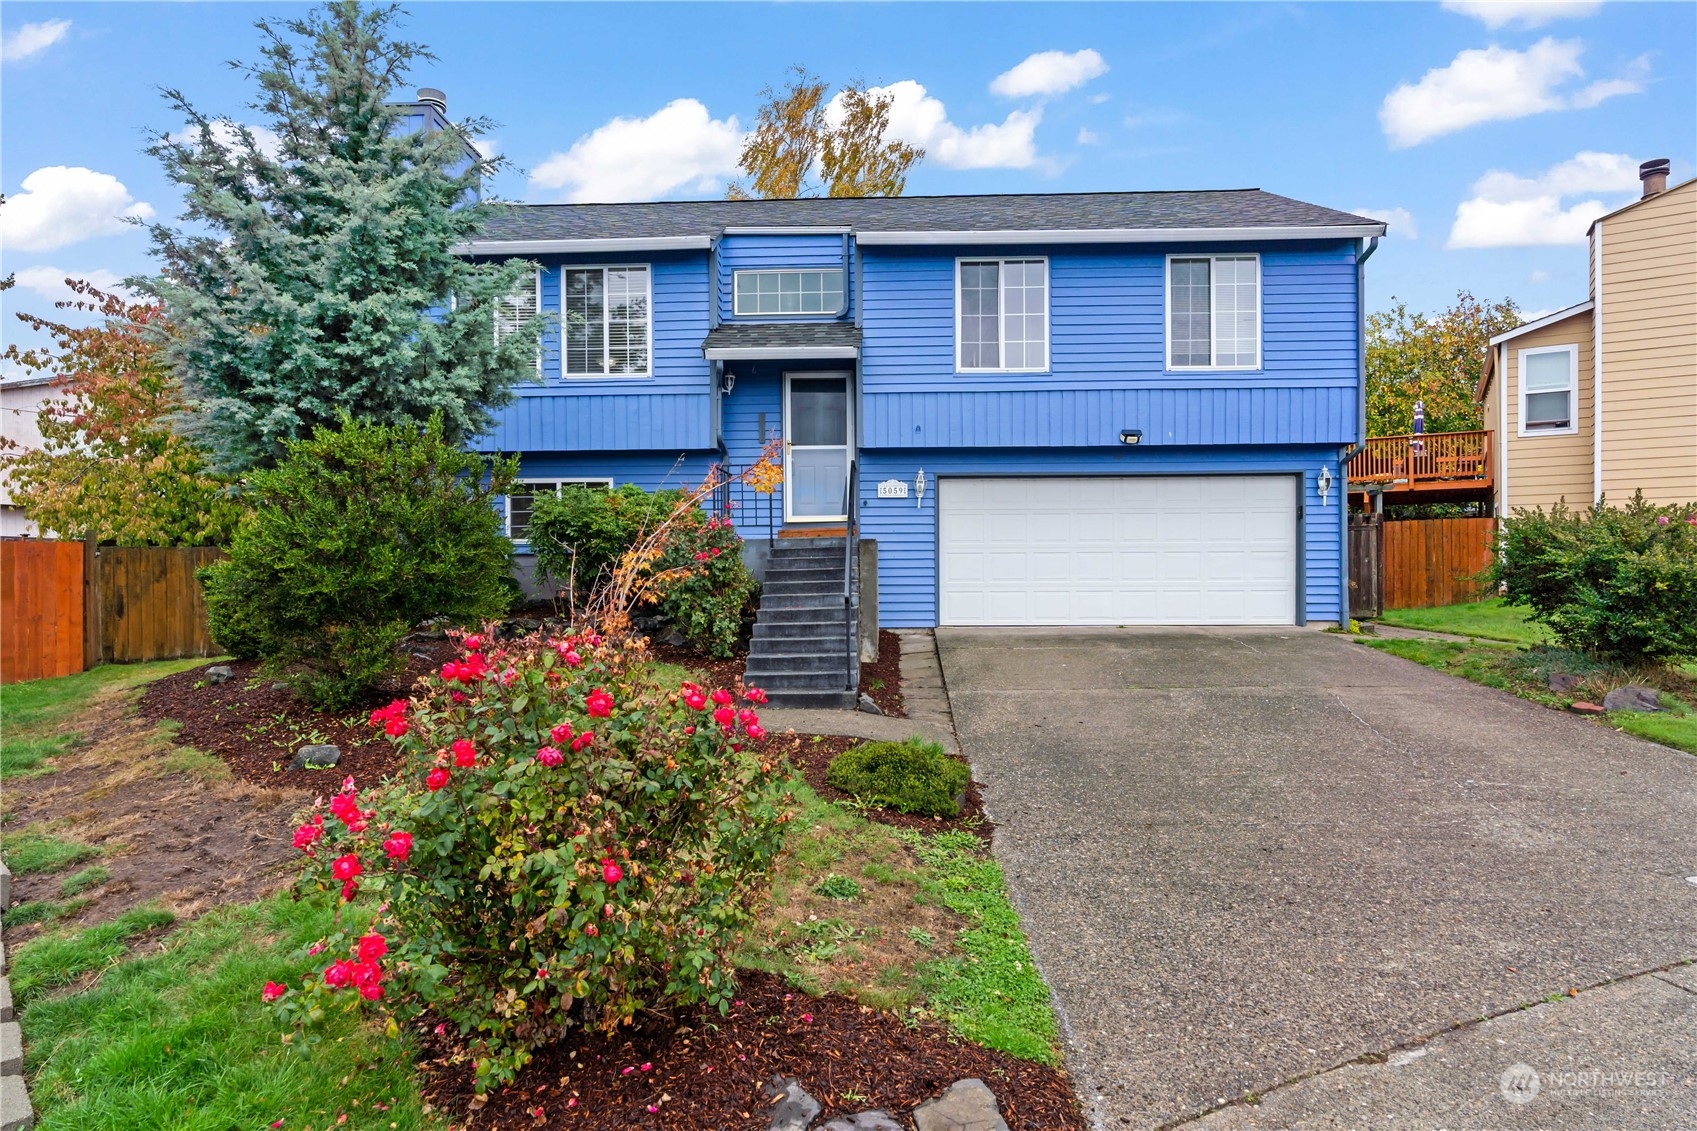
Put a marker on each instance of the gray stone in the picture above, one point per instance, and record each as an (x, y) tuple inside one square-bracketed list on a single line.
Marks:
[(11, 1049), (7, 1013), (672, 638), (1632, 698), (5, 886), (869, 705), (219, 673), (874, 1120), (1563, 682), (15, 1112), (279, 686), (792, 1108), (425, 656), (968, 1105), (316, 757)]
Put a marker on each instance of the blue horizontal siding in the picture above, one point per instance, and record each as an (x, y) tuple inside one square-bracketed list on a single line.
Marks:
[(755, 253), (906, 529), (756, 397)]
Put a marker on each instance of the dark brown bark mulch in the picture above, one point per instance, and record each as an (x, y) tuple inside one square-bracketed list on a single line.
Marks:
[(811, 755), (256, 727), (706, 1071)]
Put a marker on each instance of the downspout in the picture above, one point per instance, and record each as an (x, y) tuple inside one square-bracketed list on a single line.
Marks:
[(716, 368), (847, 266), (1361, 258), (1596, 367)]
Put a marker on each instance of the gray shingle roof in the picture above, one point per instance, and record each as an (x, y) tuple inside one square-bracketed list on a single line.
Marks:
[(786, 335), (1224, 208)]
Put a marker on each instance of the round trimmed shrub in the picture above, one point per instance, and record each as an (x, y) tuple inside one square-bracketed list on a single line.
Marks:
[(915, 776)]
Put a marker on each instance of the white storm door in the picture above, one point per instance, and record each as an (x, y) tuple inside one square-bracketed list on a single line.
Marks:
[(816, 447)]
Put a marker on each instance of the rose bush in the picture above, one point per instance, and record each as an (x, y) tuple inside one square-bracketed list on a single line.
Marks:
[(566, 843)]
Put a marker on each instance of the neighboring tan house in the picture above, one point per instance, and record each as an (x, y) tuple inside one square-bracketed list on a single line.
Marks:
[(21, 399), (1600, 399)]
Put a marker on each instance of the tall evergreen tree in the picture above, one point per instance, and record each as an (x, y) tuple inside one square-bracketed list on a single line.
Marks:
[(314, 274)]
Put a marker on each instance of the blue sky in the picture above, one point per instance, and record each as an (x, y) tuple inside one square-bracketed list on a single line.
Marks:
[(1488, 134)]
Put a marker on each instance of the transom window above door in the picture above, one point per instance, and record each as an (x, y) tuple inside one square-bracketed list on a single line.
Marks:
[(788, 292), (1214, 312), (606, 321), (1002, 315)]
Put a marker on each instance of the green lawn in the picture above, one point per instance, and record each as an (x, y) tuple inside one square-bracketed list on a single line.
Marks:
[(34, 714), (1488, 620)]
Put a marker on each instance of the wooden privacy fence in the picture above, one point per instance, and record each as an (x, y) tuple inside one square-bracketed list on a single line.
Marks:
[(67, 606), (1417, 563)]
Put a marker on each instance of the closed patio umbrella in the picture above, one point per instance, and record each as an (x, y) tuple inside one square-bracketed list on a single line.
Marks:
[(1417, 445)]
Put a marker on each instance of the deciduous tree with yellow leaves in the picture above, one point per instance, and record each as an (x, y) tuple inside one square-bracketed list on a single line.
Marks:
[(794, 139), (1412, 357)]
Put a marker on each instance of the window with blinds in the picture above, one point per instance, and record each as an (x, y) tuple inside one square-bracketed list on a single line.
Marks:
[(607, 325), (1214, 312), (514, 310), (1003, 314)]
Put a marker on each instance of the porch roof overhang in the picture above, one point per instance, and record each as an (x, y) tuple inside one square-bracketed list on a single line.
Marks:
[(781, 341)]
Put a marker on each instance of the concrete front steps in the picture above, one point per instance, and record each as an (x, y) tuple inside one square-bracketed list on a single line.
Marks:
[(799, 653)]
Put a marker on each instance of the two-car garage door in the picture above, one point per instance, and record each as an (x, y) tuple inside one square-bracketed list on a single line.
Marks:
[(1118, 550)]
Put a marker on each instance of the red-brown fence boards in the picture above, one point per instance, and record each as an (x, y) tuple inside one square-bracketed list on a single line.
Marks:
[(1366, 566), (1435, 561), (41, 605)]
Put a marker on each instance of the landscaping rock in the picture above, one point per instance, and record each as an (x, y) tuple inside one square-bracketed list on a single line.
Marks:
[(968, 1105), (279, 686), (1584, 708), (5, 886), (316, 757), (11, 1049), (1632, 698), (674, 639), (868, 705), (793, 1109), (1563, 682), (874, 1120), (15, 1112), (431, 630), (219, 673), (425, 656)]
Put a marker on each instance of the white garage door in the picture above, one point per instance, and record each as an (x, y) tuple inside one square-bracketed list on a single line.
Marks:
[(1109, 551)]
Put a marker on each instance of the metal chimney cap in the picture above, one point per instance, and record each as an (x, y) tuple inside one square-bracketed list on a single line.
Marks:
[(1654, 166), (430, 96)]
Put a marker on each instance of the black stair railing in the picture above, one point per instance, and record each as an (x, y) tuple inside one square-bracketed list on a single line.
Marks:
[(851, 541)]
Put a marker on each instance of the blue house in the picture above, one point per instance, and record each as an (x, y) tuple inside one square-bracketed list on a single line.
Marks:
[(1085, 409)]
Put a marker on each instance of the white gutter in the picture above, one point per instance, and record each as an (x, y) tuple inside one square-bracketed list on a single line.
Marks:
[(778, 353), (1597, 364), (569, 247), (779, 230), (1120, 235)]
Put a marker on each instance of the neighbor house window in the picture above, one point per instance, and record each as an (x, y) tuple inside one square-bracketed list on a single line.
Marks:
[(788, 292), (514, 310), (1214, 312), (1548, 381), (606, 318), (521, 502), (1003, 314)]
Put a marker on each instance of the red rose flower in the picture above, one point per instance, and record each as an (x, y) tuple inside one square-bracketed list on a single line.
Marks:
[(372, 947), (611, 872), (696, 700), (754, 695), (349, 890), (436, 779), (305, 835), (722, 697), (561, 733), (338, 974), (599, 704), (581, 741), (395, 728), (756, 731), (273, 991), (592, 930), (398, 845), (465, 754), (549, 756), (473, 642), (346, 867), (724, 716)]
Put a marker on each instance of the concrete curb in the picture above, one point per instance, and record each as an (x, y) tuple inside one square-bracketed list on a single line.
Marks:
[(16, 1114)]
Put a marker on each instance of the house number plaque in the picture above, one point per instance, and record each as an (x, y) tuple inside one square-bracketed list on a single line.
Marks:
[(893, 489)]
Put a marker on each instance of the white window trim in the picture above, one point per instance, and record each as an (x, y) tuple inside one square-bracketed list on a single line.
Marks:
[(507, 500), (1001, 316), (741, 271), (606, 336), (1572, 428), (1167, 314), (495, 323)]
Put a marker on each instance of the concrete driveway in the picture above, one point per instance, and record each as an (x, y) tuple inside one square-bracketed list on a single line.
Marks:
[(1276, 863)]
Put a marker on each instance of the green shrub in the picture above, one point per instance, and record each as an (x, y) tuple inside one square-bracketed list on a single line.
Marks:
[(580, 536), (565, 844), (915, 776), (1616, 582), (354, 538)]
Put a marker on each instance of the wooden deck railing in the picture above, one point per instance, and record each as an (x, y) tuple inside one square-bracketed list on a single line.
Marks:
[(1437, 457)]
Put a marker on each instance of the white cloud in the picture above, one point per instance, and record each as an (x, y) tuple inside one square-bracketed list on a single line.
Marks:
[(32, 39), (224, 133), (61, 205), (1098, 99), (1049, 72), (49, 282), (1538, 276), (1496, 84), (679, 146), (488, 147), (1398, 221), (1527, 13), (1512, 211), (922, 120), (1088, 136)]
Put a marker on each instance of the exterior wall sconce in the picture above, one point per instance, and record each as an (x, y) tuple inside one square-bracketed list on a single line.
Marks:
[(1324, 483), (727, 381), (1131, 435)]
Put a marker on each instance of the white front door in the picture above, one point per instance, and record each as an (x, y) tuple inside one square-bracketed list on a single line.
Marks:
[(1196, 549), (816, 446)]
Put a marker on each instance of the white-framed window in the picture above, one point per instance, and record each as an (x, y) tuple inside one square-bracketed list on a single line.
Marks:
[(1002, 314), (787, 292), (521, 502), (1549, 386), (605, 321), (1213, 312), (514, 310)]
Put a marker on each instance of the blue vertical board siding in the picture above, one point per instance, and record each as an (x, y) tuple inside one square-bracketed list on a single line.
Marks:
[(906, 529), (757, 394), (754, 253), (670, 409), (652, 471)]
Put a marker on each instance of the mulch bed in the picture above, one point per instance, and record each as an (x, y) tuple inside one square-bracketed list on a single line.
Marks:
[(256, 727), (707, 1071), (886, 673), (812, 754)]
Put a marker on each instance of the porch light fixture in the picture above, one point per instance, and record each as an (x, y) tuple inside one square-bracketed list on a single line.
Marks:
[(727, 381), (1131, 435), (1324, 483)]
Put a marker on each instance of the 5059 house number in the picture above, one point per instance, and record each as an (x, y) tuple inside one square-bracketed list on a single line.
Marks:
[(893, 489)]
